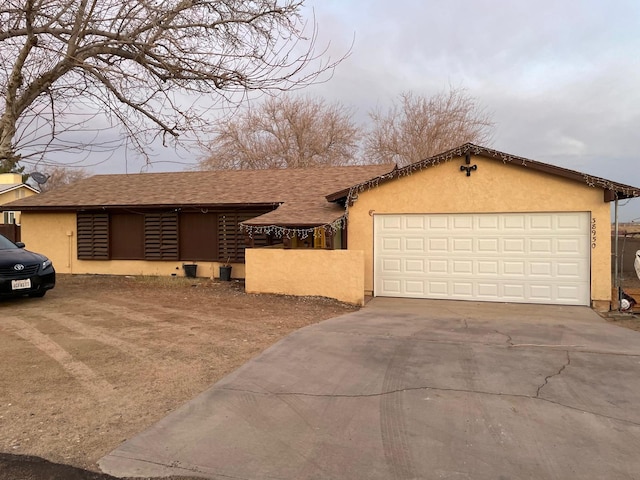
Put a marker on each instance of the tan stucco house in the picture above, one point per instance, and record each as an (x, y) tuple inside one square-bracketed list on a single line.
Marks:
[(468, 224), (13, 188)]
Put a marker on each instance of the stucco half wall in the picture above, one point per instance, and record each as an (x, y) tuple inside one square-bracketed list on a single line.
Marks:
[(495, 187), (328, 273), (55, 235)]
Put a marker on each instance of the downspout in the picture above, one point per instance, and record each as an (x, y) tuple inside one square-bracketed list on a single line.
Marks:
[(615, 255), (70, 251)]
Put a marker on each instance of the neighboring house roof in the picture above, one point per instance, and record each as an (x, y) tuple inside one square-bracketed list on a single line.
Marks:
[(4, 188), (300, 192), (612, 189)]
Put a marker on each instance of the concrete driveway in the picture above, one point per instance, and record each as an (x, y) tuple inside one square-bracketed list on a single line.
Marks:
[(407, 389)]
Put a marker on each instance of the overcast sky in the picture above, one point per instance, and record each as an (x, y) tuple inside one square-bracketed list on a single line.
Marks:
[(560, 77)]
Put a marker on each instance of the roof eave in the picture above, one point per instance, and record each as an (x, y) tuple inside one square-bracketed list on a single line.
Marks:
[(620, 190), (289, 224), (77, 208)]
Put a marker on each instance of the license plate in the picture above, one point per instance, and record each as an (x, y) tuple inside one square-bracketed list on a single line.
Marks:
[(20, 284)]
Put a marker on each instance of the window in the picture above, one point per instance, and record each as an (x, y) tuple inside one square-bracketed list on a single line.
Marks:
[(318, 239), (231, 241), (188, 236), (126, 236), (161, 236), (198, 236), (9, 217), (93, 236)]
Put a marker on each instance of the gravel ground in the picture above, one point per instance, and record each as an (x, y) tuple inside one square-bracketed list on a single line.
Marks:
[(100, 358)]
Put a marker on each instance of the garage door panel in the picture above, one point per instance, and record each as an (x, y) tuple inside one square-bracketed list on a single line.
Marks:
[(513, 292), (391, 286), (488, 267), (566, 293), (541, 292), (392, 222), (488, 245), (542, 269), (489, 291), (462, 289), (513, 223), (513, 245), (414, 287), (392, 244), (541, 222), (414, 245), (513, 267), (488, 223), (571, 269), (570, 223), (461, 245), (437, 266), (440, 222), (462, 222), (391, 265), (438, 245), (414, 265), (573, 246), (461, 267), (528, 258), (541, 246), (437, 288), (414, 222)]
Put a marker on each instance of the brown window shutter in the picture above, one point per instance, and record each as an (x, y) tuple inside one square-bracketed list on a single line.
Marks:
[(231, 241), (93, 236), (228, 233), (198, 236), (126, 236), (161, 236)]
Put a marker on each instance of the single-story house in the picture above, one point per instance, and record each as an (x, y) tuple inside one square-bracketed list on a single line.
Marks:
[(469, 224), (13, 188)]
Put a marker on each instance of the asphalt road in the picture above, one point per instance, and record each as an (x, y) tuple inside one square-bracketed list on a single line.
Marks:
[(407, 389)]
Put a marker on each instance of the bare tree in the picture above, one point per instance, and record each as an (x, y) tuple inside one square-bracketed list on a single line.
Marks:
[(59, 176), (419, 127), (136, 63), (284, 132)]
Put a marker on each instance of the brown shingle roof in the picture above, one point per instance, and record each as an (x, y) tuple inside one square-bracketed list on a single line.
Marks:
[(300, 191)]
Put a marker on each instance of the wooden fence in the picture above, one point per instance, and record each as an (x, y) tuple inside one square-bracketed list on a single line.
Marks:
[(11, 231)]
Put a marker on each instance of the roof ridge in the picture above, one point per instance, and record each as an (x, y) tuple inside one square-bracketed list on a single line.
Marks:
[(247, 170), (620, 190)]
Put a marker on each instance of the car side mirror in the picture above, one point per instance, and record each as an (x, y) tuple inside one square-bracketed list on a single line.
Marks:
[(20, 245)]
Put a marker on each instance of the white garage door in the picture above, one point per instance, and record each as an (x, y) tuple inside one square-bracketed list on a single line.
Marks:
[(522, 258)]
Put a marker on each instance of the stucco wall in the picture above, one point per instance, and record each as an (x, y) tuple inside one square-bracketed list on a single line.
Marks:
[(329, 273), (54, 235), (493, 187)]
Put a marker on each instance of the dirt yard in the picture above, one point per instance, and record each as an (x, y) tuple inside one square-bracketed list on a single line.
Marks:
[(101, 358)]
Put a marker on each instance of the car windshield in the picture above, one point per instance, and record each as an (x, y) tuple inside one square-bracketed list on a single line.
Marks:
[(6, 244)]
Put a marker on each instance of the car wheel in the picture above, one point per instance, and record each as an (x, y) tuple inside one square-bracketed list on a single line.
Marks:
[(38, 294)]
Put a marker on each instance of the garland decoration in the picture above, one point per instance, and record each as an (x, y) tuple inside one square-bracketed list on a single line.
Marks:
[(352, 195), (291, 232)]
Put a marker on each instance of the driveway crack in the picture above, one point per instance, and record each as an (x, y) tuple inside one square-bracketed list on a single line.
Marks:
[(440, 389), (509, 340), (549, 377)]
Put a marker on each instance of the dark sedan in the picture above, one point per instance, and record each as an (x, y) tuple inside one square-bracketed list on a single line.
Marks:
[(23, 272)]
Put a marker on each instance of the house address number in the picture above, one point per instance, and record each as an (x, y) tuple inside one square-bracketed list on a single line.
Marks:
[(593, 233)]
